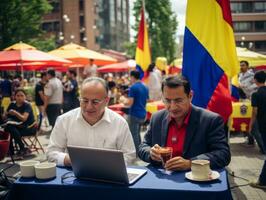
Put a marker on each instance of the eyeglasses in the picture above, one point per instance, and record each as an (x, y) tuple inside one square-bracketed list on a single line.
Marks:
[(174, 101), (94, 102)]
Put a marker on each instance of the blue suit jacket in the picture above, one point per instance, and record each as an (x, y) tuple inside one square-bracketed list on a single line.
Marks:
[(205, 137)]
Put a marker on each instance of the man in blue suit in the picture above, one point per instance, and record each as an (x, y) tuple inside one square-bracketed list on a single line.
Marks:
[(192, 132)]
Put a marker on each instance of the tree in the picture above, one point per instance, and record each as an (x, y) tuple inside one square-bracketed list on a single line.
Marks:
[(162, 26), (21, 20)]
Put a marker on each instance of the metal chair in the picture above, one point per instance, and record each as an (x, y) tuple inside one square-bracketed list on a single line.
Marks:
[(32, 141)]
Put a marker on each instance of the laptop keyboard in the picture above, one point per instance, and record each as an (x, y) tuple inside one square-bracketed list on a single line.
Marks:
[(131, 176)]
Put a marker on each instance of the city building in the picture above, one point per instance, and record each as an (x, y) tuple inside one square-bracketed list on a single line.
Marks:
[(249, 21), (95, 24)]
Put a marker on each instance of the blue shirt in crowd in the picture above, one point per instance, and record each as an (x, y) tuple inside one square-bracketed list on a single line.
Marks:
[(140, 93)]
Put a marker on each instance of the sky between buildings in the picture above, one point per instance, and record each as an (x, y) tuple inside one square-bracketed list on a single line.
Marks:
[(178, 6)]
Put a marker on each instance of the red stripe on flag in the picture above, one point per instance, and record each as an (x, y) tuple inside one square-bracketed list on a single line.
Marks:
[(220, 101), (225, 6), (141, 31)]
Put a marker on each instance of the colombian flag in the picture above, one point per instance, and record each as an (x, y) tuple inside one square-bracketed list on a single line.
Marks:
[(234, 89), (209, 54), (143, 54)]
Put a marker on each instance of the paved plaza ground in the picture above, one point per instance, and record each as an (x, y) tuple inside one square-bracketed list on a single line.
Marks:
[(245, 165)]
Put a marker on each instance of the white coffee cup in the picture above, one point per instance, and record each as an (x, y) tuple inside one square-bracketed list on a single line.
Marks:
[(200, 169), (27, 168), (45, 170)]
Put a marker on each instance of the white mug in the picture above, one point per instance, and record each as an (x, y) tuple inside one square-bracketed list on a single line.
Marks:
[(27, 168), (200, 169)]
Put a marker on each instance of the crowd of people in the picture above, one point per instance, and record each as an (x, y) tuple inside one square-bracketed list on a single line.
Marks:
[(80, 116)]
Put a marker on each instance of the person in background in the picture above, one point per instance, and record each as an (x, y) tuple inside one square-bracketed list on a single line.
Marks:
[(258, 102), (90, 125), (246, 88), (192, 132), (20, 111), (6, 86), (39, 92), (137, 99), (71, 92), (246, 80), (53, 92), (90, 69), (154, 83)]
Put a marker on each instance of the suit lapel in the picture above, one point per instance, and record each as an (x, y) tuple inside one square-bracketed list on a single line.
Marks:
[(191, 130), (165, 124)]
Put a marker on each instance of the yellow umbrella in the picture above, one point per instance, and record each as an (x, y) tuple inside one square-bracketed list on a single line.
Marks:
[(254, 59), (80, 55)]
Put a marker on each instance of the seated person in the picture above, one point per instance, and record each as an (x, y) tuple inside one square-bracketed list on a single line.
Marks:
[(91, 125), (20, 111), (192, 132)]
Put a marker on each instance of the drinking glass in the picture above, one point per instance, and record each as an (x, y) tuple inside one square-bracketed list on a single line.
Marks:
[(166, 154)]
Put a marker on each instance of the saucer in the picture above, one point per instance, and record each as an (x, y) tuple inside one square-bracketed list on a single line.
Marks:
[(214, 175)]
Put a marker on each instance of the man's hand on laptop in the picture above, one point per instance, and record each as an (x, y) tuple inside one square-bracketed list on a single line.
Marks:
[(155, 154), (67, 161)]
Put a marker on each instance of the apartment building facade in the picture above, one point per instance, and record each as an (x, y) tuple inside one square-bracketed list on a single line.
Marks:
[(249, 21), (95, 24)]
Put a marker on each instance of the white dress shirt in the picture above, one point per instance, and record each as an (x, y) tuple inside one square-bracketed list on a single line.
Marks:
[(111, 132)]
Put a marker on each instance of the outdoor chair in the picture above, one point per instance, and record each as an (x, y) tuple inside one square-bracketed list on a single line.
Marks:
[(32, 141)]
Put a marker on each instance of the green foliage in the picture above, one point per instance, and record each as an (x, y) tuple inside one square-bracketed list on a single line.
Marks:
[(130, 49), (44, 44), (20, 20), (162, 26)]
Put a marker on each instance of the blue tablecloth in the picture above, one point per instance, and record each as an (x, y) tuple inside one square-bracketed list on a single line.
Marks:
[(154, 185)]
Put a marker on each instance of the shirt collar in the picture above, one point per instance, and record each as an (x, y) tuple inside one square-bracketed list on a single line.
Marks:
[(185, 122)]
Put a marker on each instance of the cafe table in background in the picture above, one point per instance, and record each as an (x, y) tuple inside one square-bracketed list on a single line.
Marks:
[(154, 185)]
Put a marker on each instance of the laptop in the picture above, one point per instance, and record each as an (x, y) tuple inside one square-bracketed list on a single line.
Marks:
[(106, 165)]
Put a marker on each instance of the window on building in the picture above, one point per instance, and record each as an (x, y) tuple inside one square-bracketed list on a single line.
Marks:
[(242, 26), (112, 13), (119, 10), (260, 45), (260, 26), (81, 5), (55, 6), (81, 21), (51, 26), (260, 7), (241, 7)]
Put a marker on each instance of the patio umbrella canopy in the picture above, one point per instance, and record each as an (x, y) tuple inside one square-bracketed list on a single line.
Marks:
[(118, 67), (31, 66), (254, 59), (80, 55), (21, 53)]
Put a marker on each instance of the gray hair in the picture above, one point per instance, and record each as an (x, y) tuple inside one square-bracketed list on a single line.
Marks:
[(96, 80)]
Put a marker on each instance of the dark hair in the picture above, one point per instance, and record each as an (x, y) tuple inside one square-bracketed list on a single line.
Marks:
[(151, 67), (135, 74), (71, 71), (260, 76), (43, 74), (51, 72), (98, 80), (244, 61), (20, 90), (174, 81)]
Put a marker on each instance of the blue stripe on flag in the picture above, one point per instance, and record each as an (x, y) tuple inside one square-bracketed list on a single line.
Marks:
[(202, 71)]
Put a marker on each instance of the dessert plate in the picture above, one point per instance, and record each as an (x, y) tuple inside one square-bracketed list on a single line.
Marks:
[(214, 175)]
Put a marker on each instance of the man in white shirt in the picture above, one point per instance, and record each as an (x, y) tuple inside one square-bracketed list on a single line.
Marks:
[(90, 69), (53, 92), (91, 125)]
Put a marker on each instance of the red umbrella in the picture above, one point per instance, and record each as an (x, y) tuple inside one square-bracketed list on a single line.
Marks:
[(31, 66), (19, 54), (118, 67)]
